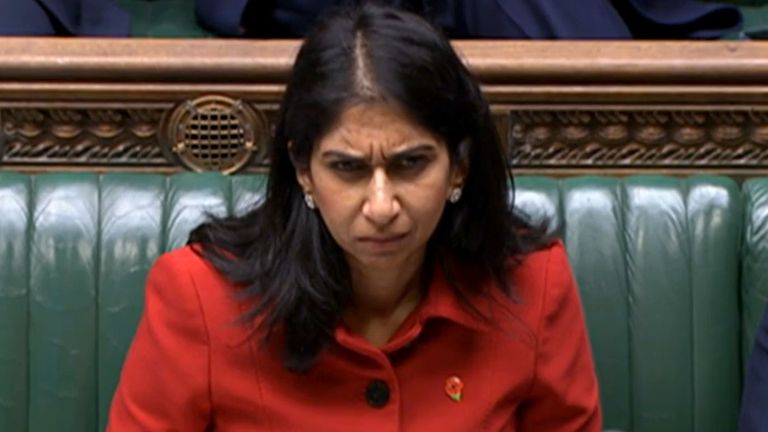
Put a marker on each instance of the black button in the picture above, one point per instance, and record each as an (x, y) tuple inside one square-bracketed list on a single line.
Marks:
[(377, 393)]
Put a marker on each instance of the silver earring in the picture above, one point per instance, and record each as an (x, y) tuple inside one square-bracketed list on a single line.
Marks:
[(455, 195), (309, 201)]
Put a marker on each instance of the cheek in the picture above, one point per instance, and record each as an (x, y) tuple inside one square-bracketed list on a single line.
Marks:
[(336, 209), (426, 204), (425, 200), (337, 205)]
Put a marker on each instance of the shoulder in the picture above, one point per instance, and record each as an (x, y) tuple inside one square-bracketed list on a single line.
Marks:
[(540, 282), (185, 255), (535, 276), (545, 265), (183, 280), (185, 263), (176, 276), (185, 275)]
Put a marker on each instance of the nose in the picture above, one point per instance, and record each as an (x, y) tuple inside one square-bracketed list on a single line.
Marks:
[(382, 204)]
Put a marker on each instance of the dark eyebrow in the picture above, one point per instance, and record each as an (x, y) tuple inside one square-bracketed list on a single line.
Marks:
[(428, 148), (338, 154)]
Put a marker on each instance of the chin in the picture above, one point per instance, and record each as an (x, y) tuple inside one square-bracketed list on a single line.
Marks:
[(380, 258)]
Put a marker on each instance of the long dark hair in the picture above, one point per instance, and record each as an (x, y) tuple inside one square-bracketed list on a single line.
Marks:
[(283, 254)]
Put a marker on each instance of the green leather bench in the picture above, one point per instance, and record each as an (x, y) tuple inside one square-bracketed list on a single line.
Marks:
[(672, 274)]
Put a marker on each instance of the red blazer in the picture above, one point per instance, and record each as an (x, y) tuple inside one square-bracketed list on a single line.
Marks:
[(527, 369)]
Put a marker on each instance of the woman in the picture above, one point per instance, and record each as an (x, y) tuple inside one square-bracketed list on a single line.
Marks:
[(384, 284)]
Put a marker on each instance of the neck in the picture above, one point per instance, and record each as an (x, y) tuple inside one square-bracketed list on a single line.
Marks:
[(383, 298)]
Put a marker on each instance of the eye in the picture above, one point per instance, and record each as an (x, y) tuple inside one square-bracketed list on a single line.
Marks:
[(347, 166), (410, 162)]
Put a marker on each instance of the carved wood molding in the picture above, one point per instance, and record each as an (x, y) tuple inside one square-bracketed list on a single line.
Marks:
[(81, 136), (561, 106), (140, 138), (627, 137), (640, 137)]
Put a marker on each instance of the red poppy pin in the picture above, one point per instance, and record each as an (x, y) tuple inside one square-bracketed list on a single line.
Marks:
[(454, 388)]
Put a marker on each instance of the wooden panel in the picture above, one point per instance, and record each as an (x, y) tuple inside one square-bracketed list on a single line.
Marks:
[(562, 107)]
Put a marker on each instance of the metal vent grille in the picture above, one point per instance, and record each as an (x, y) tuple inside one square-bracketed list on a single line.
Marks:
[(215, 133)]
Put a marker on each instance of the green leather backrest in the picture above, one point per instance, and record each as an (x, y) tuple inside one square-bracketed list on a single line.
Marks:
[(74, 253), (657, 260), (754, 273), (657, 263)]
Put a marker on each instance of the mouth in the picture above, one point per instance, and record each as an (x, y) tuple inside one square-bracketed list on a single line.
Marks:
[(383, 241)]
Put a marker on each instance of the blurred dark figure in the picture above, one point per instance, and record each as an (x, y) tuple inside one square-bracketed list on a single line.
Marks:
[(754, 415), (63, 17), (516, 19)]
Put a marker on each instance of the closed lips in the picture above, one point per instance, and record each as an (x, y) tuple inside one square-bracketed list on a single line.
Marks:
[(383, 239)]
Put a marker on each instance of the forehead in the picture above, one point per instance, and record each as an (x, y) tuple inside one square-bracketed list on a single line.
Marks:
[(369, 127)]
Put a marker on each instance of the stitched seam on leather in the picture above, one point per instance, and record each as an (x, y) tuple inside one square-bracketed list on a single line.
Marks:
[(686, 191), (97, 248), (622, 198), (31, 189)]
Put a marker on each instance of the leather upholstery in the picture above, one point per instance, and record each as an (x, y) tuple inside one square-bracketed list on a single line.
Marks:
[(657, 259), (754, 279)]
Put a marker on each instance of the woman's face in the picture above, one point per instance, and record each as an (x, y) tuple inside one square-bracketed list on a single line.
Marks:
[(380, 183)]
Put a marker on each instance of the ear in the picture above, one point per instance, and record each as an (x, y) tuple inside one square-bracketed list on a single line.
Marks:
[(303, 175), (460, 167)]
